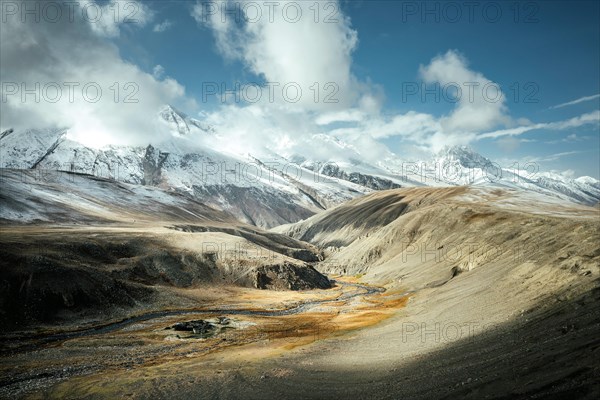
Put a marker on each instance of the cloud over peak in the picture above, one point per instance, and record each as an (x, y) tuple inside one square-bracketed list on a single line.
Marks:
[(288, 42), (67, 74), (480, 104)]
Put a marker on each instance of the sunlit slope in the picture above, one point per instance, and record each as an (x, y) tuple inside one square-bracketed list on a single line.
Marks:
[(425, 236)]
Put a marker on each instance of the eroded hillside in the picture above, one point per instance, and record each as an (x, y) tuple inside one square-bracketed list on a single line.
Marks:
[(78, 247)]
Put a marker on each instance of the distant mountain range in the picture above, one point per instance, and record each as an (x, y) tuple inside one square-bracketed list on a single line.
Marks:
[(269, 189)]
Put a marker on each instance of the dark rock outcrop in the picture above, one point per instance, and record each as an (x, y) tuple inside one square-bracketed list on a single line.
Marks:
[(152, 165), (288, 276), (369, 181), (197, 326)]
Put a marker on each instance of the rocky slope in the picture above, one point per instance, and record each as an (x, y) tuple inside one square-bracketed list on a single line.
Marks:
[(76, 247)]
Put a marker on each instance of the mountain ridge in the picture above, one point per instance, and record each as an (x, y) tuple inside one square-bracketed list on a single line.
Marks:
[(270, 189)]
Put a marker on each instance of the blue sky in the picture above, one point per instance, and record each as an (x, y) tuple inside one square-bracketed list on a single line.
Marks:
[(540, 54)]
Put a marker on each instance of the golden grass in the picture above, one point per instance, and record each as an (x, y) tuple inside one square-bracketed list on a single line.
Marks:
[(270, 337)]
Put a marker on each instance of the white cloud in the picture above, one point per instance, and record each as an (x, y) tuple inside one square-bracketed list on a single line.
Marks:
[(572, 138), (51, 54), (511, 143), (158, 71), (554, 157), (412, 125), (163, 26), (253, 128), (592, 118), (473, 112), (306, 52), (569, 173), (303, 52), (106, 20), (580, 100), (480, 105), (350, 115), (466, 123)]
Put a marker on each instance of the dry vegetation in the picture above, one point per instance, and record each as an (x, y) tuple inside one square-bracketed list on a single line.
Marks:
[(488, 293)]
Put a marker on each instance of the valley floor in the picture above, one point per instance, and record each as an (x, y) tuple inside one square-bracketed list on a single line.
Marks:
[(377, 346), (259, 324), (89, 309)]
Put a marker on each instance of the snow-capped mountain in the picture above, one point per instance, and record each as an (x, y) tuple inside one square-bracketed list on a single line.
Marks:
[(262, 193), (270, 189), (463, 166), (452, 166), (182, 123)]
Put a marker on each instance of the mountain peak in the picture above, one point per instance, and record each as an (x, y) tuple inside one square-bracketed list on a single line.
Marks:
[(169, 109), (182, 123), (465, 155), (588, 180)]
